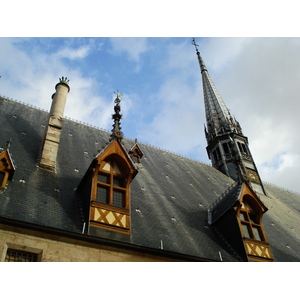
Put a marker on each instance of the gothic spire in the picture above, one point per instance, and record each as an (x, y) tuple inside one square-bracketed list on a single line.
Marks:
[(218, 117), (227, 147), (116, 131)]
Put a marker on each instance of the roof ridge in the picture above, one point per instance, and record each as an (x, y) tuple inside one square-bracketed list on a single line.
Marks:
[(105, 130), (281, 188), (23, 103)]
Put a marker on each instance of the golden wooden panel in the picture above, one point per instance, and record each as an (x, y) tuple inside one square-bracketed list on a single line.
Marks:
[(110, 217), (258, 250)]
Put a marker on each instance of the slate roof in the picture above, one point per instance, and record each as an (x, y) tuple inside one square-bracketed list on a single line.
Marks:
[(170, 195)]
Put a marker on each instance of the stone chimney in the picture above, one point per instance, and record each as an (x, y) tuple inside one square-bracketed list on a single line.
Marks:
[(54, 127)]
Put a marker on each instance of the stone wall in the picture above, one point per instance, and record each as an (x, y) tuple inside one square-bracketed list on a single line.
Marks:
[(52, 248)]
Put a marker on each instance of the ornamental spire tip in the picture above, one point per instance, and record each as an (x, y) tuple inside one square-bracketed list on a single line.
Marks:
[(116, 131)]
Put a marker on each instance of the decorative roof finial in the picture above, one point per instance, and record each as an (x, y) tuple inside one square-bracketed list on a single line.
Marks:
[(116, 131)]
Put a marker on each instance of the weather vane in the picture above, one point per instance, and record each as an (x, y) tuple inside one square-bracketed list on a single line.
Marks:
[(119, 97)]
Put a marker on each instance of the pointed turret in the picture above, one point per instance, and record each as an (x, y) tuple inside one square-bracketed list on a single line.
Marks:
[(227, 147)]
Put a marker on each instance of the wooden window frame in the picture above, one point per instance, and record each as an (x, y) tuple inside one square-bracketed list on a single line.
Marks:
[(252, 218), (110, 186)]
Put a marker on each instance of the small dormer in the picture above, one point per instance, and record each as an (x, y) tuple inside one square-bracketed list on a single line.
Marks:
[(7, 167), (136, 153)]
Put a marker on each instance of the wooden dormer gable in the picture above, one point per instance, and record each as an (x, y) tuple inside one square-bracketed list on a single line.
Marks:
[(7, 168), (249, 212), (110, 196), (238, 217)]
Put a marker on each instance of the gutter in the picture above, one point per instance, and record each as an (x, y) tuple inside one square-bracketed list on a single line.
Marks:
[(102, 241)]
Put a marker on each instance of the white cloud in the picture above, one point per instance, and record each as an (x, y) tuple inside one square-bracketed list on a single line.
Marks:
[(32, 78), (258, 79), (133, 47), (70, 53), (260, 87)]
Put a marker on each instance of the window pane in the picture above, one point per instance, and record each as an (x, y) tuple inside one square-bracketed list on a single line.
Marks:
[(253, 218), (118, 182), (103, 178), (118, 199), (102, 195), (246, 230), (225, 147), (243, 216), (256, 233)]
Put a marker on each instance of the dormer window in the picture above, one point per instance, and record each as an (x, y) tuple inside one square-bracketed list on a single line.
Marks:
[(249, 212), (111, 185), (113, 171), (238, 216), (7, 168), (136, 154), (251, 222)]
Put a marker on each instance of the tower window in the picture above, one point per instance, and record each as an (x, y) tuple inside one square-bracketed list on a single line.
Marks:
[(226, 148), (242, 147), (217, 155)]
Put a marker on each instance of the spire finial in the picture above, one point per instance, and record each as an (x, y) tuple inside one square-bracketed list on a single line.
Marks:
[(201, 63), (116, 131), (196, 45)]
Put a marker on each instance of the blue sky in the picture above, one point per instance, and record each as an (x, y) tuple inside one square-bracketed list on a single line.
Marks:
[(162, 104)]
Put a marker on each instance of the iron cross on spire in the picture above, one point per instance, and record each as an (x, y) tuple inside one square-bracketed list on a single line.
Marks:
[(194, 43)]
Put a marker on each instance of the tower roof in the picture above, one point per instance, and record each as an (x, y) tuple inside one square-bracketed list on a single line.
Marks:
[(218, 117)]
